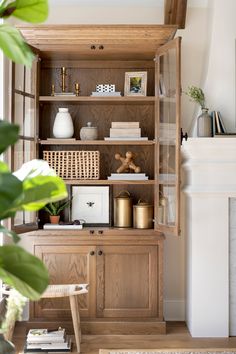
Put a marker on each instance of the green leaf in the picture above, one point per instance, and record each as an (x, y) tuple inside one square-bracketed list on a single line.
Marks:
[(14, 46), (8, 133), (33, 11), (3, 167), (14, 236), (23, 271), (11, 190), (40, 190)]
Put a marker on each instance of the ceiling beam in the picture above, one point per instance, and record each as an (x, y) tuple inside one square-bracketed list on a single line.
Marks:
[(175, 12)]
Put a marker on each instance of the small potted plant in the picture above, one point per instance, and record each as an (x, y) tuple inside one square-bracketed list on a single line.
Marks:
[(204, 121), (54, 210)]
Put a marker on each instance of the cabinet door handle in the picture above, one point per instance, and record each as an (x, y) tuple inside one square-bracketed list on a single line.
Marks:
[(92, 253), (91, 232), (99, 253), (183, 136), (100, 232), (93, 47), (101, 47)]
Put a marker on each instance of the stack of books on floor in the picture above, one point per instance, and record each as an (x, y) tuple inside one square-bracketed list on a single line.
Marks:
[(47, 341), (125, 131), (128, 176)]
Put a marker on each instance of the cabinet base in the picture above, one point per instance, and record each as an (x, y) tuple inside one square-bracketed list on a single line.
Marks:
[(105, 327)]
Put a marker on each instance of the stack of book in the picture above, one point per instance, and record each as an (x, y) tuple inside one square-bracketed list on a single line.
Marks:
[(106, 94), (125, 131), (218, 126), (128, 176), (47, 341)]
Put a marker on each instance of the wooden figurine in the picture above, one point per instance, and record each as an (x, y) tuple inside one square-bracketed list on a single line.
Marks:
[(127, 163)]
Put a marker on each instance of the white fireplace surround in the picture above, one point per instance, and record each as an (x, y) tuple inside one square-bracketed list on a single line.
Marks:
[(209, 183)]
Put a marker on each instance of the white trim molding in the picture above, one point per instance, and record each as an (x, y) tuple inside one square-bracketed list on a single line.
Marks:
[(209, 170)]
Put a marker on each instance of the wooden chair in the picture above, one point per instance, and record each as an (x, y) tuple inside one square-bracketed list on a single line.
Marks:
[(70, 290)]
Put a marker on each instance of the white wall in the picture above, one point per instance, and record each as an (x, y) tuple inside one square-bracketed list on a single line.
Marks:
[(220, 79)]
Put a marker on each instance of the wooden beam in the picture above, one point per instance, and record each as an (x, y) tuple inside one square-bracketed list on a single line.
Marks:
[(175, 13)]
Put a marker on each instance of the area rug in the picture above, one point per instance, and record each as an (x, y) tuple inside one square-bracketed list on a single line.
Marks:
[(169, 351)]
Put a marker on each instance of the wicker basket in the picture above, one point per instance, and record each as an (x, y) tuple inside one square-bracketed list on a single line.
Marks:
[(74, 164)]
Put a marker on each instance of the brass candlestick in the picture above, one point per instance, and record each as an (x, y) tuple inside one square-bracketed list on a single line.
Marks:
[(63, 75), (53, 90), (77, 89)]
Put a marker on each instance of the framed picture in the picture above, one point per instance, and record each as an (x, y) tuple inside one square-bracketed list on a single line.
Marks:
[(135, 83), (92, 204)]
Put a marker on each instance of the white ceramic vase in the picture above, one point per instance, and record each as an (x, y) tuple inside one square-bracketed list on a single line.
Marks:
[(63, 125)]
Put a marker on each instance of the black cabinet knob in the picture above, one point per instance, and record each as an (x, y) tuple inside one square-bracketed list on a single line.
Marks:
[(93, 47), (99, 253), (100, 232), (91, 232), (92, 253), (101, 47)]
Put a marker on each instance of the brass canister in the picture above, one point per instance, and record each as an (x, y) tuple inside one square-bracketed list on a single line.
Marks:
[(123, 210), (143, 215)]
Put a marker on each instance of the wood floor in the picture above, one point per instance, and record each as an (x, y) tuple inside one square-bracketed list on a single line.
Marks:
[(177, 337)]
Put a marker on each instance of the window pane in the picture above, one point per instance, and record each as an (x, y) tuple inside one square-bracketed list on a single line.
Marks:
[(19, 218), (167, 205), (18, 154), (29, 80), (18, 111), (29, 127), (29, 150), (19, 77)]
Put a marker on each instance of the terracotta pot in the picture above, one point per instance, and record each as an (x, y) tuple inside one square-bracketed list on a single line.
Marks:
[(54, 219)]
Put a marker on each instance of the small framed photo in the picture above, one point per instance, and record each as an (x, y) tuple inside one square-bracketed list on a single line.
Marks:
[(135, 83), (92, 204)]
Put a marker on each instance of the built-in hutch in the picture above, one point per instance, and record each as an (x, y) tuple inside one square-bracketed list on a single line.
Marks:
[(122, 266)]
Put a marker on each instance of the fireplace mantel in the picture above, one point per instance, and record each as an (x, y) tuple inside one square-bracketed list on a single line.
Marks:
[(209, 181)]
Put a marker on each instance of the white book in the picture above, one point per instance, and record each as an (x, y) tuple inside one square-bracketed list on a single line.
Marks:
[(64, 94), (128, 177), (45, 336), (125, 125), (50, 345), (62, 227), (128, 174), (119, 132), (124, 138), (106, 94)]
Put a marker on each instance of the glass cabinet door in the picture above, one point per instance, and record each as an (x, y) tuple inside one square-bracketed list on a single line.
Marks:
[(24, 110), (167, 135)]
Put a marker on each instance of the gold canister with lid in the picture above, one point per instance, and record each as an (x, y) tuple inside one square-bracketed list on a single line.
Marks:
[(123, 210), (143, 215)]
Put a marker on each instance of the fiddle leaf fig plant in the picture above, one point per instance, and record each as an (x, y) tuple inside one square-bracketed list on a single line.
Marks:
[(11, 41), (35, 184), (30, 188)]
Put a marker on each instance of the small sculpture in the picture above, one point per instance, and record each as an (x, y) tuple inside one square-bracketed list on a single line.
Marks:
[(127, 163)]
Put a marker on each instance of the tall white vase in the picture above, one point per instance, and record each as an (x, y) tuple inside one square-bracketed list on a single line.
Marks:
[(63, 125)]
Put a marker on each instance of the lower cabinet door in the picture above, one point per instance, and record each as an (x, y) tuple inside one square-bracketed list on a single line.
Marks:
[(67, 265), (127, 281)]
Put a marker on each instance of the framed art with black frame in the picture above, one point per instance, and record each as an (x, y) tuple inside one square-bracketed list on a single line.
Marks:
[(92, 204)]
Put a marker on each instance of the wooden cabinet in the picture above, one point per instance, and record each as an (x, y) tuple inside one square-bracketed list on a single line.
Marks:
[(126, 281), (124, 272)]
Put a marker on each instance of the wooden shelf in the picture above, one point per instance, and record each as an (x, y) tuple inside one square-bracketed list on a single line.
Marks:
[(95, 142), (96, 100), (106, 181)]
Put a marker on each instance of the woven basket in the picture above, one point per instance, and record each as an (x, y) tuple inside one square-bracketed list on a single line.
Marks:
[(74, 164)]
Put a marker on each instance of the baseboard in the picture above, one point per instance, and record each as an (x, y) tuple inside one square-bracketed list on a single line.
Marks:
[(174, 310)]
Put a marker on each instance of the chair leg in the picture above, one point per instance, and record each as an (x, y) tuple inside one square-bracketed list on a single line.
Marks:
[(76, 320)]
